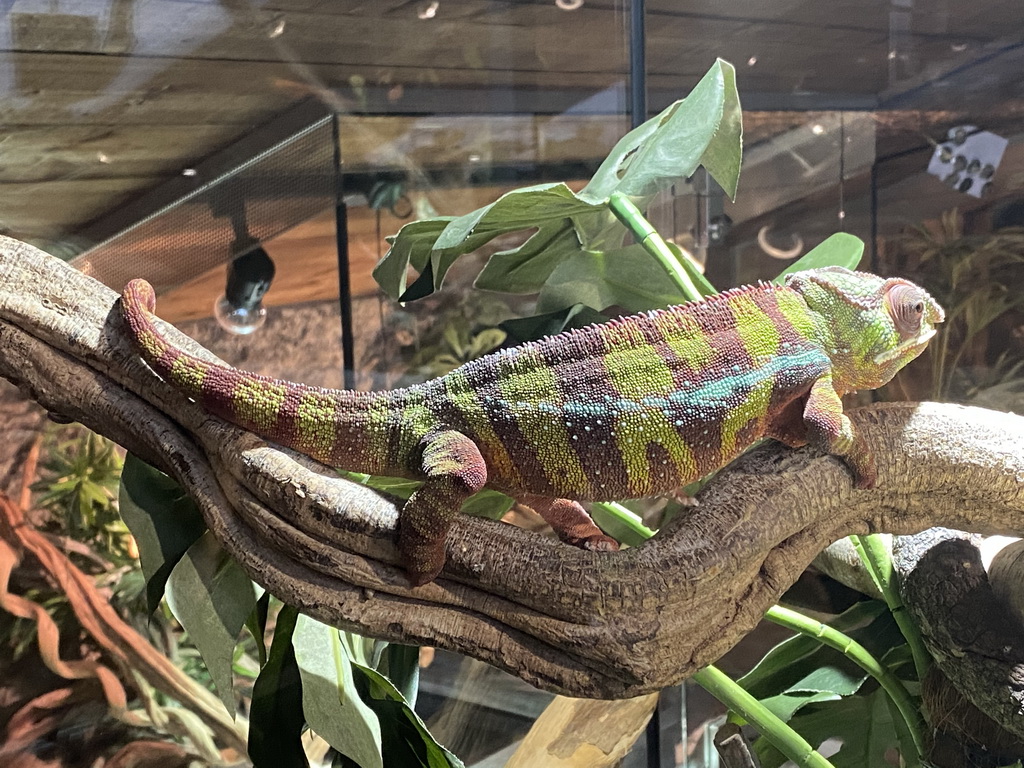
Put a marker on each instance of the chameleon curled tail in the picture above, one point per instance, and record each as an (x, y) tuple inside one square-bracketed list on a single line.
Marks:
[(328, 424)]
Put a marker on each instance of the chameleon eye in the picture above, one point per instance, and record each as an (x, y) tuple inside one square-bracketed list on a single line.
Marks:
[(906, 306)]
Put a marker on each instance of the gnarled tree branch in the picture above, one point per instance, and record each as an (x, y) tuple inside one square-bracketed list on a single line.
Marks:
[(974, 639), (585, 624)]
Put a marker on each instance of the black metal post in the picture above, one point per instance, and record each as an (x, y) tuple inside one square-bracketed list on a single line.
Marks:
[(637, 63), (348, 355), (874, 217), (652, 737)]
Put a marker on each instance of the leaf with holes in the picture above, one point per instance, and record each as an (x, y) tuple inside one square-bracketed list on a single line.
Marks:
[(704, 128)]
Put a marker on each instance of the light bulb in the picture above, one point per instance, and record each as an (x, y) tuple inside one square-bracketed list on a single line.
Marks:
[(240, 309), (239, 320)]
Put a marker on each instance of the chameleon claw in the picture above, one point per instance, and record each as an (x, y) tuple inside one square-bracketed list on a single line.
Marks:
[(599, 543)]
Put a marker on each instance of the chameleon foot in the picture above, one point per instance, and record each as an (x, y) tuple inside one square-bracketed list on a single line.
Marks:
[(572, 523)]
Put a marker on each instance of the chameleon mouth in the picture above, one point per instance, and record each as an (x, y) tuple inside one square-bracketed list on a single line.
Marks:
[(917, 341)]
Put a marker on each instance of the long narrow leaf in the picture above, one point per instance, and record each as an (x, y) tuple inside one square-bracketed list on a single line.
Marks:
[(210, 594), (275, 717), (330, 700)]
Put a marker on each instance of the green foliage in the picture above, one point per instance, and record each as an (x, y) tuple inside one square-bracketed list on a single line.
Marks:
[(973, 277), (551, 323), (276, 720), (163, 519), (864, 725), (404, 736), (703, 129), (802, 667), (78, 487), (486, 503), (354, 707), (330, 701), (313, 676), (620, 522), (444, 333), (211, 597), (622, 277), (461, 341), (816, 689), (838, 250)]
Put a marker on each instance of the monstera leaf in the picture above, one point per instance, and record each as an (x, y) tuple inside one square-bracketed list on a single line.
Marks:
[(705, 129)]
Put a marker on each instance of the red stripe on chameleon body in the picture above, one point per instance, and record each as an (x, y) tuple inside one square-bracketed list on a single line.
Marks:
[(482, 376)]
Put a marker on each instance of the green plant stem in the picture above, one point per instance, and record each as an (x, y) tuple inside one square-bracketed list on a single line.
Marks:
[(648, 237), (784, 738), (877, 560), (626, 517), (860, 655)]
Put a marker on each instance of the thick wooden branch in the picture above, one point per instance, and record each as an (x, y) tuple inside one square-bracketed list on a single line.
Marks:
[(971, 634), (580, 623)]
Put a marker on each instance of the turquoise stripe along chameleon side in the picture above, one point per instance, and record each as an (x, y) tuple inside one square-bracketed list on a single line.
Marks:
[(639, 406)]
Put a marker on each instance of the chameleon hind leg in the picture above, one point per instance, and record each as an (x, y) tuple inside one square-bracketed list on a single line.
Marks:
[(452, 470), (571, 522)]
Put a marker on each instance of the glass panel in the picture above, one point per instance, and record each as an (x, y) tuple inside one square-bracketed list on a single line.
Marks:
[(164, 138), (876, 119)]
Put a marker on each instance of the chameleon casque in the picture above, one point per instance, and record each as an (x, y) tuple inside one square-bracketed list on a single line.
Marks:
[(635, 407)]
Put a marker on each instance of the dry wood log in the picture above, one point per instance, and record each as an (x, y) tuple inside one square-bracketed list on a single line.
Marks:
[(604, 625), (584, 733)]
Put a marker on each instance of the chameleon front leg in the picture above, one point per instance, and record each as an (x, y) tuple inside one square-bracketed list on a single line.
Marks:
[(831, 430), (453, 470), (571, 523)]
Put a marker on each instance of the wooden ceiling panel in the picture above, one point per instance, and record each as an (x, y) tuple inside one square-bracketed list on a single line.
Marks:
[(59, 89), (70, 152), (95, 90), (103, 101), (403, 142), (481, 32), (40, 211)]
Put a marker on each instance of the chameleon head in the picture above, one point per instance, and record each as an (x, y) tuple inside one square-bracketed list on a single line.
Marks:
[(872, 326)]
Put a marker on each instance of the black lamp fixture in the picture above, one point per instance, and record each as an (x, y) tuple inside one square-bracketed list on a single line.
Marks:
[(240, 308)]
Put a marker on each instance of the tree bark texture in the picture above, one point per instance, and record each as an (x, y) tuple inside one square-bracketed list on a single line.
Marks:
[(974, 637), (602, 625)]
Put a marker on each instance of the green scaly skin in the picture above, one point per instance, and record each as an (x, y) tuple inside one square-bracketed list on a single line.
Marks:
[(639, 406)]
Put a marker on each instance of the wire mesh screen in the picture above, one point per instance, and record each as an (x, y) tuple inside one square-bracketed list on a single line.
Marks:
[(277, 188)]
